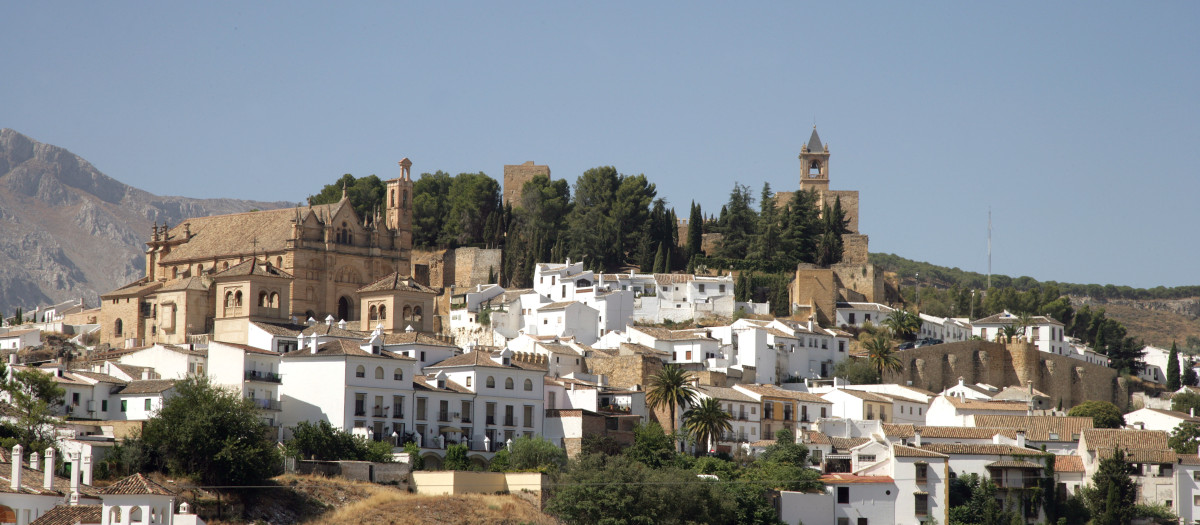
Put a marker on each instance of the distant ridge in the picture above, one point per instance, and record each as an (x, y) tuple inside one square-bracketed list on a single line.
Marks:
[(69, 231)]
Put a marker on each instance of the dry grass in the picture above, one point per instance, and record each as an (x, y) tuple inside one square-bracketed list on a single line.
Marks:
[(1155, 327), (394, 507)]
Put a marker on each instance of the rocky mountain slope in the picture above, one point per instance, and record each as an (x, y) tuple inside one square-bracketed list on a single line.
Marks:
[(69, 231)]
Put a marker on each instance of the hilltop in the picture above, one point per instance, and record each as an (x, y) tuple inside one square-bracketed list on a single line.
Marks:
[(69, 231)]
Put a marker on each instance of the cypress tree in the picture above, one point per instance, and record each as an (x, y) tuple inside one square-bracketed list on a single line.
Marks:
[(1173, 379), (658, 260), (695, 232)]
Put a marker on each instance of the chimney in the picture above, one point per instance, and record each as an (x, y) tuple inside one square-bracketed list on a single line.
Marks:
[(33, 461), (145, 374), (342, 324), (75, 478), (86, 471), (329, 320), (16, 468), (1021, 438), (312, 344), (916, 437), (48, 477)]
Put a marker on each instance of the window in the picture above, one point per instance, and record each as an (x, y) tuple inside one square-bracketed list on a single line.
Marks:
[(421, 409), (468, 381), (75, 398), (104, 405), (921, 502), (843, 495), (124, 405), (1196, 500), (922, 473), (147, 404), (843, 521), (851, 317), (398, 374), (360, 404), (379, 372), (862, 521), (491, 382), (701, 288), (508, 383), (869, 458), (528, 416), (360, 371), (721, 288), (529, 385)]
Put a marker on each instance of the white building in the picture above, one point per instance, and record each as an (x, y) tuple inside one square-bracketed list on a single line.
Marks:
[(948, 329), (956, 411), (1156, 360), (1043, 331), (252, 372), (860, 405), (743, 415), (1156, 419), (859, 314), (507, 400), (676, 297), (20, 339)]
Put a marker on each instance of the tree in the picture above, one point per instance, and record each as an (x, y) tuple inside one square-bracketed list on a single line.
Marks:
[(1185, 438), (456, 458), (212, 434), (1173, 377), (536, 453), (903, 323), (365, 194), (783, 466), (1112, 494), (592, 234), (1189, 374), (651, 446), (1185, 402), (1103, 413), (430, 193), (414, 455), (33, 398), (321, 441), (671, 387), (695, 233), (881, 355), (706, 422), (973, 502), (856, 371), (737, 228)]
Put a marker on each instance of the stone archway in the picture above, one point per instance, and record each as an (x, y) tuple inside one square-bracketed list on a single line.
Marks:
[(343, 308)]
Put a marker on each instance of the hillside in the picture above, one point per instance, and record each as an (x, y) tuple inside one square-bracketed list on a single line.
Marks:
[(69, 231), (1157, 316)]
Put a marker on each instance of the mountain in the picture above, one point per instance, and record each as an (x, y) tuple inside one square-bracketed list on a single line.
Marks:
[(69, 231)]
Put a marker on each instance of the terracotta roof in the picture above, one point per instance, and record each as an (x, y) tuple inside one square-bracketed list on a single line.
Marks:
[(562, 305), (254, 267), (96, 376), (394, 281), (16, 333), (1107, 438), (332, 330), (476, 358), (966, 432), (1066, 463), (664, 334), (247, 348), (1008, 318), (774, 391), (343, 347), (431, 384), (844, 479), (639, 348), (841, 443), (1143, 455), (1039, 428), (980, 449), (186, 283), (902, 451), (280, 329), (998, 406), (814, 437), (557, 348), (415, 338), (70, 515), (725, 394), (673, 278), (898, 430), (138, 287), (1015, 464), (136, 484), (1188, 459), (866, 396), (248, 233), (147, 386), (763, 443)]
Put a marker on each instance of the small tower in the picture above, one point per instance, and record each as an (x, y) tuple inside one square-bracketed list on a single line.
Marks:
[(814, 164), (398, 211)]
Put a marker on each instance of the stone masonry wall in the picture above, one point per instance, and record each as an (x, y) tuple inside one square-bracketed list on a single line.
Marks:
[(1064, 379), (515, 177)]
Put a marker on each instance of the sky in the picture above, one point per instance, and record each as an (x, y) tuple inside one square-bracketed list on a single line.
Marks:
[(1075, 123)]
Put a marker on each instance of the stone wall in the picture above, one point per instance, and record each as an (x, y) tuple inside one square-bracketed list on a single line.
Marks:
[(515, 177), (849, 205), (814, 290), (358, 470), (854, 248), (626, 371), (1064, 379), (463, 267), (863, 278)]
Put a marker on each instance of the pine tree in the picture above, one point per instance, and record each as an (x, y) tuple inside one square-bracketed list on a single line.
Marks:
[(1189, 374), (1112, 493), (1173, 379)]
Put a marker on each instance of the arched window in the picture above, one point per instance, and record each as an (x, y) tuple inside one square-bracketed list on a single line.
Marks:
[(114, 515), (373, 313), (379, 372), (508, 383), (383, 311), (407, 313), (398, 374), (199, 269), (404, 201), (417, 314), (274, 300), (491, 381), (529, 385), (118, 327), (264, 300), (361, 371), (814, 167), (174, 272), (279, 261), (237, 298), (135, 515), (229, 299), (225, 265)]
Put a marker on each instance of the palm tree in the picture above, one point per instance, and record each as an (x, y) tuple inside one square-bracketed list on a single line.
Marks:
[(881, 355), (1008, 332), (671, 387), (903, 323), (707, 421)]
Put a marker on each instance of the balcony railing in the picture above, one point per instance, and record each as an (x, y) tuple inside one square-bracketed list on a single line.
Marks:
[(266, 404), (378, 412), (398, 414), (742, 417), (360, 411), (491, 420), (269, 377), (510, 421), (466, 418)]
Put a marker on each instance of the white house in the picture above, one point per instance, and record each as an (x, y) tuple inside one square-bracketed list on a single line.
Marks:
[(858, 314), (169, 361), (948, 329), (252, 372), (563, 319), (845, 499), (743, 414), (1043, 331), (20, 339), (675, 297), (1156, 360), (30, 490), (857, 404), (956, 411), (508, 400), (1156, 419)]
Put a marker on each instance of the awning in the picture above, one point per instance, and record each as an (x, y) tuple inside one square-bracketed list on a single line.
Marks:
[(451, 430)]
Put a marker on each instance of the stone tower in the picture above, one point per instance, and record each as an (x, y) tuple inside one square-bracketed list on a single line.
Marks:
[(814, 164), (399, 216)]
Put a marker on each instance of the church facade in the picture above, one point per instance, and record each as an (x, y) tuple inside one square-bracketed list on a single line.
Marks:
[(309, 262)]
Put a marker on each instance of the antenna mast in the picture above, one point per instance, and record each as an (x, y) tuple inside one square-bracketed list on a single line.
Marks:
[(989, 277)]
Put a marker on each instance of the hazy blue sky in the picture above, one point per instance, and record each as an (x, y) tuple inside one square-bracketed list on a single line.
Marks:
[(1076, 122)]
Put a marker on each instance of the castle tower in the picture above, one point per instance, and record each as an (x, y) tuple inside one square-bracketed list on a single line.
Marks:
[(814, 164), (398, 212)]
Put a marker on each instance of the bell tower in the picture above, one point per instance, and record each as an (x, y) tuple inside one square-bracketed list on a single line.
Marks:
[(814, 164), (398, 209)]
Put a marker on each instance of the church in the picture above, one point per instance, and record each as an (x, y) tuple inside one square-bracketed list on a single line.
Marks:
[(213, 275)]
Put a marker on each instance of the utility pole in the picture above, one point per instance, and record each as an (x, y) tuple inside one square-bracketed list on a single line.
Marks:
[(989, 277)]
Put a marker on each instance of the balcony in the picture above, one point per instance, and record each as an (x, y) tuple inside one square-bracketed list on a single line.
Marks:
[(742, 417), (266, 377), (360, 411), (491, 420), (379, 412), (510, 421), (466, 418), (266, 404), (443, 416), (398, 414)]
